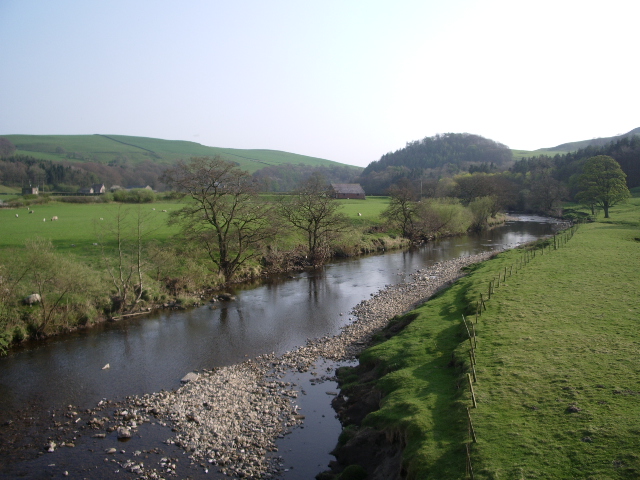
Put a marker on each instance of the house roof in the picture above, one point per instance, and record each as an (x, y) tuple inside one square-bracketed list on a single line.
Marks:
[(352, 188)]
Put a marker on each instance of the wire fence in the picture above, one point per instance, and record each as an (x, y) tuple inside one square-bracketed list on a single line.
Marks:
[(528, 255)]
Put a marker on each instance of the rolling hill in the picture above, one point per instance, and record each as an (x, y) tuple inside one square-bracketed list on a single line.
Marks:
[(122, 149), (572, 146)]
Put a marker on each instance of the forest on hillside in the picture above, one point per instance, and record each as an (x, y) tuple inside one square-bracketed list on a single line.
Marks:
[(565, 168), (468, 167), (442, 155)]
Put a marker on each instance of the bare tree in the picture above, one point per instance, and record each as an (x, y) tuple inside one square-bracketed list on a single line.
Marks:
[(122, 241), (313, 210), (402, 210), (226, 216)]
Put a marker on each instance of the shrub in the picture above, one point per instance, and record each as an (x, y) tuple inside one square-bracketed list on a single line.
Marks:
[(134, 196)]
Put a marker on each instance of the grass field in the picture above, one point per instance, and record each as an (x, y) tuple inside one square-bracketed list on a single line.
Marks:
[(558, 366), (108, 148), (77, 224), (80, 224)]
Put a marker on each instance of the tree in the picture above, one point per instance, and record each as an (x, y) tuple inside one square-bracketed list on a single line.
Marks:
[(401, 212), (602, 183), (545, 192), (313, 210), (124, 263), (225, 216), (6, 147)]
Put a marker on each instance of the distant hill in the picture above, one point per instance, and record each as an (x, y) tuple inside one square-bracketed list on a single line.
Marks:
[(121, 150), (573, 146), (432, 157)]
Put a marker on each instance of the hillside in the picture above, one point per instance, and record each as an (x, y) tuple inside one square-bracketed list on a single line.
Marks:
[(122, 149), (432, 157), (573, 146)]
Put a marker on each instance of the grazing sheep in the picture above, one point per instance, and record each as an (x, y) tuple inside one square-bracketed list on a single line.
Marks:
[(16, 215), (101, 218), (164, 211), (53, 219), (153, 209), (359, 214), (44, 219), (30, 211)]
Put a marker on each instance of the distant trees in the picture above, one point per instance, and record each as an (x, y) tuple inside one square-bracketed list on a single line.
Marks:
[(6, 147), (602, 183), (445, 154), (313, 211), (289, 177), (422, 219), (225, 215)]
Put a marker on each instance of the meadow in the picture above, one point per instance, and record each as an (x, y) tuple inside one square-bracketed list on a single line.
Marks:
[(557, 364), (118, 148), (80, 225)]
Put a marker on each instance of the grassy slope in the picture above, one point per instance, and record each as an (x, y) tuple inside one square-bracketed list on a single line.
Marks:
[(571, 146), (107, 148), (562, 331)]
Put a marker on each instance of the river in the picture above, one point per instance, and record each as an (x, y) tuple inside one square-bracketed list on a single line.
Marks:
[(147, 354)]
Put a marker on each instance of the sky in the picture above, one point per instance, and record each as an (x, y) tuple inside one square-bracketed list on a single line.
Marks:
[(344, 80)]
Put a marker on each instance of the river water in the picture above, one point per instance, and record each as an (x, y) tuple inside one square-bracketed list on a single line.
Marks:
[(147, 354)]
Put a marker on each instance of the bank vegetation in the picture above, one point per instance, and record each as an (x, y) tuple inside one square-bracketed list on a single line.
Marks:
[(213, 231)]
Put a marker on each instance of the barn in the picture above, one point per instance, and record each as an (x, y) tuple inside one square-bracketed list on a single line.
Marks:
[(347, 190)]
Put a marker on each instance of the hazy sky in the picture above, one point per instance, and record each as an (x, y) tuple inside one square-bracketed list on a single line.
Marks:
[(342, 80)]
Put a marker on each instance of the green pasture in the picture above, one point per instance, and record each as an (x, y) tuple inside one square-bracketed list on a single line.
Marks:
[(79, 224), (128, 149), (558, 364)]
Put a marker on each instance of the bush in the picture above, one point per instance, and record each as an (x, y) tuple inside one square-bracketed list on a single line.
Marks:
[(84, 199), (134, 196)]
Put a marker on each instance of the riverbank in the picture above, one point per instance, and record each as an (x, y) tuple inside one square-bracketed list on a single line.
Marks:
[(147, 362), (230, 417), (552, 361)]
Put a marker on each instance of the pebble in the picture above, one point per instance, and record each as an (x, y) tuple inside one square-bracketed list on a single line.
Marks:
[(231, 417)]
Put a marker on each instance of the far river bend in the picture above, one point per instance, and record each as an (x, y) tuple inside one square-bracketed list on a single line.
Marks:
[(147, 354)]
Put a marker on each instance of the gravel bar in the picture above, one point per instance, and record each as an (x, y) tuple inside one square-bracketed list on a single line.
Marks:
[(229, 418)]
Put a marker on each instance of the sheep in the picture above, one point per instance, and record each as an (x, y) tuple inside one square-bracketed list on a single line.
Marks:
[(153, 209), (44, 219), (53, 219), (101, 218), (30, 211), (359, 214), (164, 211), (16, 215)]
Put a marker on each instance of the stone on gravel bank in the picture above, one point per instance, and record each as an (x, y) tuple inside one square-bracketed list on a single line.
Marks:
[(230, 417)]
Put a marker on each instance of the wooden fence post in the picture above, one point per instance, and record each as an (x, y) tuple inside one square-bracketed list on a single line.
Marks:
[(473, 395), (471, 429)]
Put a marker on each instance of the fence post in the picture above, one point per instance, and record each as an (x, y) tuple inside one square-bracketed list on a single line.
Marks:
[(471, 429), (473, 395)]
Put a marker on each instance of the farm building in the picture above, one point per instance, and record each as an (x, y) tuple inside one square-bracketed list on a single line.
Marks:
[(29, 190), (94, 189), (348, 190), (98, 188)]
